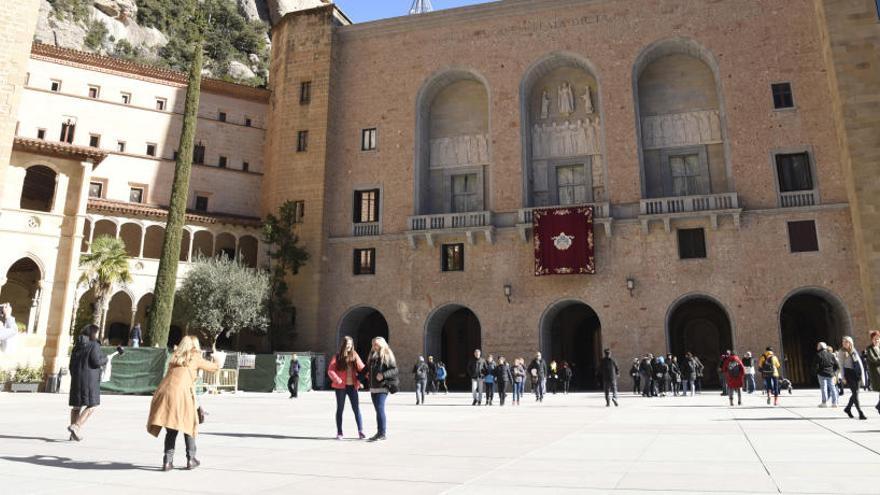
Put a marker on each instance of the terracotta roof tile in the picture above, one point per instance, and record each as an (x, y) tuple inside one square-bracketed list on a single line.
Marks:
[(59, 149), (142, 210)]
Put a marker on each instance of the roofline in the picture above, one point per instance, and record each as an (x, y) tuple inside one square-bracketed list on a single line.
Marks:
[(144, 210), (59, 150), (110, 65)]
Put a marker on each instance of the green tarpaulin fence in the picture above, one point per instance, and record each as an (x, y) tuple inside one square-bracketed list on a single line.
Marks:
[(137, 371), (271, 372), (305, 373)]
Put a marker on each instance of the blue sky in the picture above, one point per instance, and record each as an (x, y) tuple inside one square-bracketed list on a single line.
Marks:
[(370, 10)]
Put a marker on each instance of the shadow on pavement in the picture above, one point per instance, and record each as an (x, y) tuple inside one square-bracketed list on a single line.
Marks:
[(68, 463), (42, 439), (266, 435)]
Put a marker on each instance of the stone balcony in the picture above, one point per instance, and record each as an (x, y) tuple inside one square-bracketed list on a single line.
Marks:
[(470, 224), (798, 199), (710, 205), (366, 229), (601, 215), (31, 222)]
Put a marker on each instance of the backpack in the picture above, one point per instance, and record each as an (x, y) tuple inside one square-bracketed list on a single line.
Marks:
[(768, 368), (441, 372), (734, 369)]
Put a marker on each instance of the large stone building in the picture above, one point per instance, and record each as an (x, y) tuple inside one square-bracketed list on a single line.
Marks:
[(728, 149)]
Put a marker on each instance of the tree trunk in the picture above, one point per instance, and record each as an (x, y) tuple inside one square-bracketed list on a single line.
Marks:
[(166, 278)]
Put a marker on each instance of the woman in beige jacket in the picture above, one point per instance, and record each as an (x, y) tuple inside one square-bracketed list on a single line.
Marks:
[(174, 403)]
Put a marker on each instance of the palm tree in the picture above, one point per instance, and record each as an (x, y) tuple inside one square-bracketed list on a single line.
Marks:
[(104, 267)]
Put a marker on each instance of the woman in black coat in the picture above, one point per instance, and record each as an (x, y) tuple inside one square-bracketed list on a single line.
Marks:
[(503, 377), (86, 362)]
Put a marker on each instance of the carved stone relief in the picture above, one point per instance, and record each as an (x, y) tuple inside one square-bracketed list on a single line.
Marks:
[(681, 129), (460, 151), (566, 139)]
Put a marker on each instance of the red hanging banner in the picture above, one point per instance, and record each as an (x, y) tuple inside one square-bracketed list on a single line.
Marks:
[(563, 241)]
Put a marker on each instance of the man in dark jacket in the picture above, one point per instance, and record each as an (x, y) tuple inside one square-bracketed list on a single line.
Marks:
[(86, 361), (826, 367), (432, 376), (293, 381), (609, 370), (420, 376), (661, 373), (538, 371), (646, 373), (476, 370)]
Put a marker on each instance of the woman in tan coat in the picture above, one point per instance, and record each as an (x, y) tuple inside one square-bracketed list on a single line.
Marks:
[(174, 403)]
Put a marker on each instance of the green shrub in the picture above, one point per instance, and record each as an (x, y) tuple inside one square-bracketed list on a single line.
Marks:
[(77, 10), (96, 34), (27, 374), (4, 377)]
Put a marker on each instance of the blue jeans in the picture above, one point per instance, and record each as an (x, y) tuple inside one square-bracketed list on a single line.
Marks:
[(379, 404), (750, 383), (771, 385), (829, 390), (477, 390), (340, 406), (421, 385), (517, 391), (540, 387)]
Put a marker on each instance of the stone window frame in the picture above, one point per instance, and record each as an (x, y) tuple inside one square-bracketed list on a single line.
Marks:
[(120, 146), (155, 149), (302, 141), (102, 183), (379, 199), (450, 172), (357, 267), (815, 230), (444, 258), (41, 133), (793, 106), (552, 177), (374, 144), (55, 85), (201, 194), (161, 104), (96, 89), (813, 170), (96, 139), (305, 92), (125, 97), (666, 169), (248, 121), (144, 190), (222, 115), (222, 161), (678, 245)]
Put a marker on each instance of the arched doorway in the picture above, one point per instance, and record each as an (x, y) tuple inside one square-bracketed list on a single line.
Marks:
[(363, 324), (571, 332), (22, 291), (700, 325), (452, 332), (809, 316)]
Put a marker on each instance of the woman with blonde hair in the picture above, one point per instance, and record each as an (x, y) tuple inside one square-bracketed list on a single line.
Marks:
[(174, 403), (853, 372), (384, 379), (343, 371)]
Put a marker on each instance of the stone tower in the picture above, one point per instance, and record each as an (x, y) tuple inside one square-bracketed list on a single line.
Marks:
[(19, 20), (851, 38)]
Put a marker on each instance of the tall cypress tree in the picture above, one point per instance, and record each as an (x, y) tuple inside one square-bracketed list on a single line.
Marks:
[(166, 278)]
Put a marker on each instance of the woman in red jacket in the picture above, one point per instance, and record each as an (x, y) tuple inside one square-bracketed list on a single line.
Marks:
[(734, 374), (343, 371)]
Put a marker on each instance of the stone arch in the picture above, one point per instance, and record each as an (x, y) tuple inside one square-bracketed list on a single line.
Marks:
[(540, 157), (807, 316), (362, 324), (248, 247), (570, 330), (86, 235), (39, 188), (130, 233), (105, 227), (142, 316), (680, 120), (23, 288), (464, 145), (154, 237), (203, 244), (224, 244), (117, 323), (700, 324), (452, 332), (185, 240)]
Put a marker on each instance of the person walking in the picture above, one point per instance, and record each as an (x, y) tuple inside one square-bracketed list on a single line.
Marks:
[(674, 375), (421, 371), (384, 379), (769, 366), (698, 385), (476, 371), (853, 374), (343, 370), (441, 378), (8, 328), (135, 337), (538, 370), (749, 363), (661, 373), (646, 373), (503, 377), (86, 361), (734, 373), (567, 375), (721, 371), (173, 406), (610, 373), (635, 376), (553, 377), (689, 374), (432, 376), (838, 378), (293, 379), (519, 379), (872, 363), (489, 379), (826, 367)]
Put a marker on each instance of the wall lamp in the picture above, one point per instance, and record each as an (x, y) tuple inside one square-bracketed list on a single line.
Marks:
[(630, 285), (507, 290)]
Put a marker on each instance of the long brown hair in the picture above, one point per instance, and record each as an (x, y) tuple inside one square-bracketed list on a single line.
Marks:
[(344, 359)]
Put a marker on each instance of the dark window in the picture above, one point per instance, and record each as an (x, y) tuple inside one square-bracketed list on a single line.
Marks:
[(126, 98), (151, 149), (67, 130), (56, 86), (305, 92), (136, 195), (453, 257), (222, 162), (368, 139), (247, 122), (160, 103), (38, 189), (793, 171), (221, 116), (96, 189), (365, 261), (199, 154), (366, 206), (691, 243), (245, 166), (802, 236), (201, 203), (302, 141), (93, 91), (94, 140), (41, 133), (782, 96), (299, 211), (120, 146)]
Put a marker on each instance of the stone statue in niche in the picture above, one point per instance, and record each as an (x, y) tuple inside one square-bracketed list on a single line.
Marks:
[(588, 101), (566, 99), (545, 105)]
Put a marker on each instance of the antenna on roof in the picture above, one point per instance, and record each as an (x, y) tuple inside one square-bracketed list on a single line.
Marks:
[(420, 7)]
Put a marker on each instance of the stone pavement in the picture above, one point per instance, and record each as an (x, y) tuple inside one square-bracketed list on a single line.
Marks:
[(265, 443)]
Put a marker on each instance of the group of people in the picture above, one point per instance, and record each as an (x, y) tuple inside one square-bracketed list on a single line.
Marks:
[(847, 367), (429, 376)]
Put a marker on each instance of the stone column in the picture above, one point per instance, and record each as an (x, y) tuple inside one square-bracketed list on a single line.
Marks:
[(34, 312), (189, 253), (134, 311), (143, 238)]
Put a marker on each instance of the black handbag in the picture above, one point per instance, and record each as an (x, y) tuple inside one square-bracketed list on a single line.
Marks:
[(201, 412)]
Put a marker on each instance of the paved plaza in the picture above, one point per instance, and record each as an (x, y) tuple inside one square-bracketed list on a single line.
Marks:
[(265, 443)]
